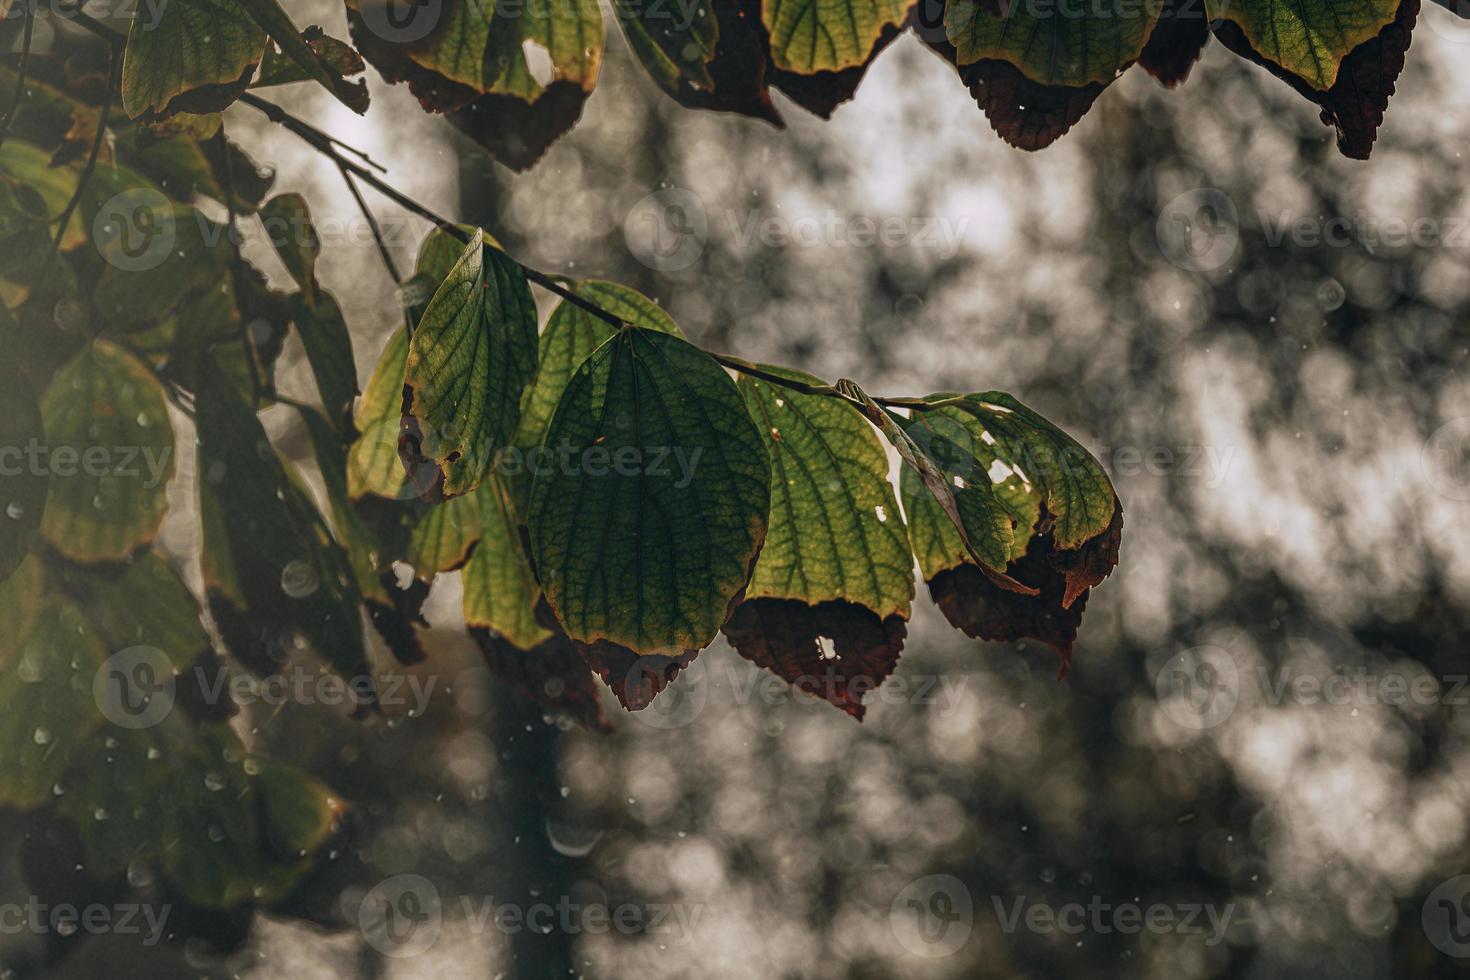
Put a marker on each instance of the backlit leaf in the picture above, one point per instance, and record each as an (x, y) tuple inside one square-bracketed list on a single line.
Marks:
[(647, 533), (500, 589), (826, 35), (471, 356), (372, 462), (836, 563), (190, 56), (1309, 39), (1052, 44)]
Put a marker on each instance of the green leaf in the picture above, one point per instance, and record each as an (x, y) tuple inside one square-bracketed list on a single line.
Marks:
[(109, 450), (328, 345), (46, 705), (500, 589), (836, 561), (22, 486), (277, 23), (1064, 516), (1075, 488), (473, 65), (978, 519), (142, 604), (157, 254), (442, 538), (441, 251), (469, 360), (827, 35), (271, 571), (835, 528), (287, 223), (373, 466), (1049, 43), (645, 527), (675, 47), (21, 599), (481, 44), (225, 829), (572, 334), (190, 56), (392, 611), (1308, 39)]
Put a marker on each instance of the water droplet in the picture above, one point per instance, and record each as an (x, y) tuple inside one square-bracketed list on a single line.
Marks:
[(14, 511), (42, 736), (298, 579), (214, 782)]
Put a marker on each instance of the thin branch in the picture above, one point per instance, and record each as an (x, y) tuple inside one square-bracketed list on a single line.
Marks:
[(91, 166), (330, 147), (20, 79), (373, 226)]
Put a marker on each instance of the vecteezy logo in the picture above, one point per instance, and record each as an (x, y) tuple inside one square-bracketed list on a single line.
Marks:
[(933, 916), (401, 916), (1199, 231), (680, 702), (134, 688), (667, 230), (1199, 688), (1446, 917), (134, 231), (1445, 459), (401, 21)]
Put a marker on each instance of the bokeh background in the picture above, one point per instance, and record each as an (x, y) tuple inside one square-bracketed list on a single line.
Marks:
[(1287, 421)]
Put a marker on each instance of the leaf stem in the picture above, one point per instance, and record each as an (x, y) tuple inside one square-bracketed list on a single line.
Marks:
[(91, 166)]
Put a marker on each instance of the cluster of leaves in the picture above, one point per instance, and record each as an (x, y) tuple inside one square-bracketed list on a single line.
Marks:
[(613, 495), (97, 348), (514, 74), (1034, 66)]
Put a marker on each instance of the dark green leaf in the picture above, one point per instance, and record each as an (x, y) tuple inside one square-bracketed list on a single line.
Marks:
[(46, 707), (109, 451), (645, 527), (270, 570)]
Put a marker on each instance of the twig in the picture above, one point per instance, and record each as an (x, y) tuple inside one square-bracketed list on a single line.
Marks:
[(91, 166), (330, 147), (373, 226)]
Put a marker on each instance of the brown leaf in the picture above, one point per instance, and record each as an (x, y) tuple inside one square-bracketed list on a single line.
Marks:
[(739, 67), (518, 133), (1026, 114), (551, 674), (636, 679), (982, 610), (783, 636), (1177, 42), (822, 92), (1355, 104)]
